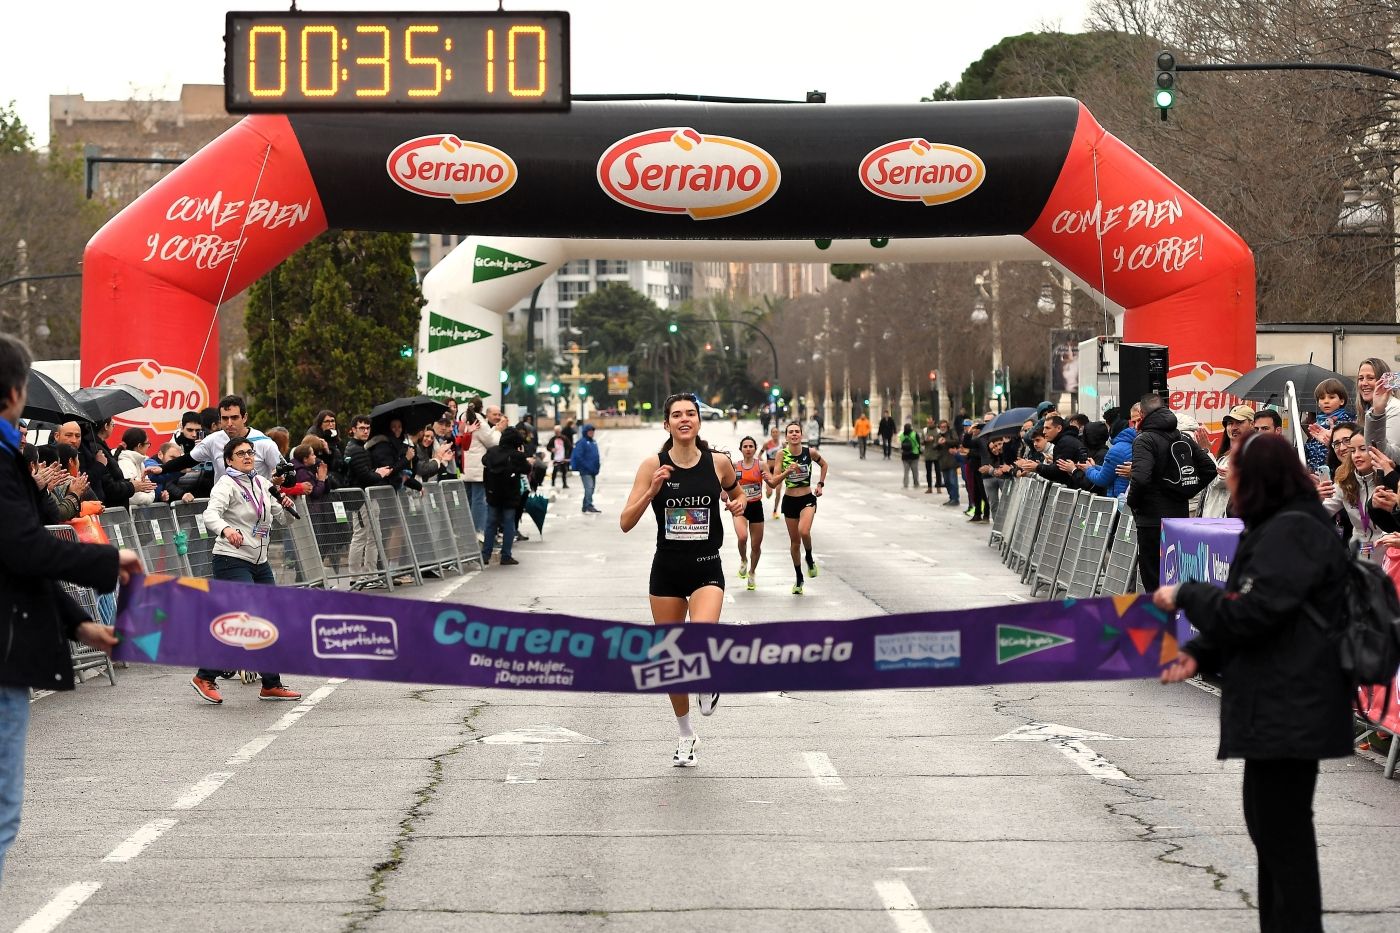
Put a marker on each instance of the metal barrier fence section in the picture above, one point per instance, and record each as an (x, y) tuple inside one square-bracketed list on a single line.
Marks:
[(199, 540), (392, 535), (162, 546), (340, 526), (1008, 505), (1028, 522), (120, 530), (1050, 541), (428, 549), (1064, 564), (296, 561), (1088, 563), (1120, 570), (459, 516), (84, 658), (440, 525)]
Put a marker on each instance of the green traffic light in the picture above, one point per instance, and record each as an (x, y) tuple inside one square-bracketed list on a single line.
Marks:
[(531, 379), (1165, 97), (583, 390), (554, 388), (405, 351), (775, 391), (673, 327), (505, 376)]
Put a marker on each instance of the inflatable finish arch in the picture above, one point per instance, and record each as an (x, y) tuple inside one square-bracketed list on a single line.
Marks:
[(1038, 169)]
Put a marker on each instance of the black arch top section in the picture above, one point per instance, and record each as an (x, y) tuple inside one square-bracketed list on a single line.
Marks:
[(819, 148)]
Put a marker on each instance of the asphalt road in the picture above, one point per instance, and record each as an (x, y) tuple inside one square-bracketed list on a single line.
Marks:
[(376, 807)]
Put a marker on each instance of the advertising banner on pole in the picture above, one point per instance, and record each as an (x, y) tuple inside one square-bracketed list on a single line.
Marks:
[(619, 380)]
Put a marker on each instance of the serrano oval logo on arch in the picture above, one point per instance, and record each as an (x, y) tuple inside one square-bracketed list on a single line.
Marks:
[(443, 166), (918, 170), (241, 630), (172, 392), (678, 170)]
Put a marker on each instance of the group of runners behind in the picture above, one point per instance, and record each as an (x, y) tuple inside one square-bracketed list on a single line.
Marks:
[(685, 485)]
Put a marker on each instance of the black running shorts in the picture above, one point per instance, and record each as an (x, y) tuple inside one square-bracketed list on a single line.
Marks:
[(677, 574), (793, 505), (754, 510)]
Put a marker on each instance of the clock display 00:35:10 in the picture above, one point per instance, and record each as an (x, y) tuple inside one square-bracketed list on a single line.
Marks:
[(461, 61)]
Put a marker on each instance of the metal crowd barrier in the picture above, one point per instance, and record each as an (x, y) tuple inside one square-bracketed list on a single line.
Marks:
[(199, 553), (1050, 542), (1120, 567), (1093, 546), (433, 554), (120, 530), (1027, 523), (160, 549), (1074, 537), (459, 516), (391, 534), (84, 658), (1007, 507)]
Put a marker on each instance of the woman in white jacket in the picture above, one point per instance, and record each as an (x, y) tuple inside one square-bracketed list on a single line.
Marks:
[(1382, 418), (477, 434), (132, 460), (242, 507), (1354, 484)]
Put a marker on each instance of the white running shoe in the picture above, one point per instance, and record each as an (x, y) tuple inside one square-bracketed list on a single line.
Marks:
[(685, 752), (707, 703)]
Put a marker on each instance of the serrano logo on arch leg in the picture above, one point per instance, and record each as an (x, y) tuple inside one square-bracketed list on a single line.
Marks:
[(918, 170), (678, 170), (173, 391), (443, 166)]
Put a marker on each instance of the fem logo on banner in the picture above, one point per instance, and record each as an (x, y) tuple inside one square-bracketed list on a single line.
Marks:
[(680, 171), (918, 170), (241, 630), (443, 166)]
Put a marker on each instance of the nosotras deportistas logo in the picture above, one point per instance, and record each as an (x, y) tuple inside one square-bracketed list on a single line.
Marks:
[(678, 170)]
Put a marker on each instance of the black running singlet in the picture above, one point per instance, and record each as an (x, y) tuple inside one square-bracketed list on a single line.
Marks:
[(688, 509)]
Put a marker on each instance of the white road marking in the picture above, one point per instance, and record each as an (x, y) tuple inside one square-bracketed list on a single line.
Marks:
[(525, 768), (1090, 761), (903, 909), (136, 843), (197, 794), (539, 735), (59, 908), (1069, 741), (306, 705), (819, 763), (455, 587), (250, 751)]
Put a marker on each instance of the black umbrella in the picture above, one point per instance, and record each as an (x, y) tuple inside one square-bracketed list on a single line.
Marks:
[(49, 401), (103, 402), (414, 413), (1266, 384), (1008, 423)]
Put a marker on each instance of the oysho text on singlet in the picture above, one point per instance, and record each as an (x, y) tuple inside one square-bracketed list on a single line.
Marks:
[(751, 478), (687, 508), (802, 476)]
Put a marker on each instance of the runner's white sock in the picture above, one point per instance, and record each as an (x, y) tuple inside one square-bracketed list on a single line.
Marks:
[(684, 723)]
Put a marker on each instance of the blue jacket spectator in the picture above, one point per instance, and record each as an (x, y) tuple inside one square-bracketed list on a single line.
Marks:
[(1119, 452), (585, 459)]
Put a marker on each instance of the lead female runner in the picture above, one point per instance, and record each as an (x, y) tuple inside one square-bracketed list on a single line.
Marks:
[(682, 485), (748, 528), (792, 468)]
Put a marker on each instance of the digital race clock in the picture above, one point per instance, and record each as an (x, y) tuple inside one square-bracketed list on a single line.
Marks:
[(289, 62)]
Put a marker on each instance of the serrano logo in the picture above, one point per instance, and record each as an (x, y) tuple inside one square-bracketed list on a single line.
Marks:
[(680, 171), (918, 170), (1198, 389), (444, 166), (243, 631), (172, 391)]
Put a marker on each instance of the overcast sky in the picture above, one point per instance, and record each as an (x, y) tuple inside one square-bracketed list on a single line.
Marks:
[(870, 51)]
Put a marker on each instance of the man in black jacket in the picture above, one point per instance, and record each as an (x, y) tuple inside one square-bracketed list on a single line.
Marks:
[(1065, 444), (361, 473), (1168, 469), (37, 618), (503, 466)]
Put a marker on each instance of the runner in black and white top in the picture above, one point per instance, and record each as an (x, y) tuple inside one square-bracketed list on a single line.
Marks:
[(792, 468), (682, 486), (748, 527), (771, 447)]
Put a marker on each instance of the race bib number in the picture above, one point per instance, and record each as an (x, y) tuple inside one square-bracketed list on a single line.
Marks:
[(261, 530), (687, 524), (801, 474), (753, 490)]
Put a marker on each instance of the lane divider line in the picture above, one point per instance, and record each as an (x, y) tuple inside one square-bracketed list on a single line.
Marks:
[(136, 843), (307, 704), (197, 794), (59, 908), (900, 905), (248, 752), (819, 763)]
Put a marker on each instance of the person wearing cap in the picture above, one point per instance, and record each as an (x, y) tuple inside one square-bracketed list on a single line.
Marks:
[(1238, 424)]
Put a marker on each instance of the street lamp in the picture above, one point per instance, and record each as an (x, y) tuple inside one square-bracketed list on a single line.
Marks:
[(985, 309)]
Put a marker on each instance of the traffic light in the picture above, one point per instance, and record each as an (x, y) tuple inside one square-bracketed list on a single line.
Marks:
[(998, 384), (554, 388), (767, 385), (582, 390), (775, 391), (406, 351), (531, 379), (505, 376), (673, 327), (1164, 93), (933, 375)]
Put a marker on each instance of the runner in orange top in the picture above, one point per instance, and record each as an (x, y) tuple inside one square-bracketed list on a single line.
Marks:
[(749, 525)]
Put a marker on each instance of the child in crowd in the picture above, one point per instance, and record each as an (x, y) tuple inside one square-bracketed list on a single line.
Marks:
[(1332, 400), (538, 467), (168, 488)]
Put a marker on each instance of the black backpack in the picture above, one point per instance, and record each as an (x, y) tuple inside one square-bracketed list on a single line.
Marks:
[(1183, 473), (1368, 643), (906, 444)]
